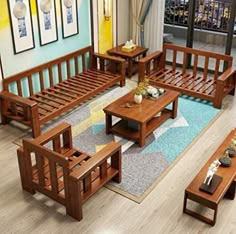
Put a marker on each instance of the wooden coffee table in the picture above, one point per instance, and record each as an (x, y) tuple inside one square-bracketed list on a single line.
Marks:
[(225, 188), (141, 115), (129, 56)]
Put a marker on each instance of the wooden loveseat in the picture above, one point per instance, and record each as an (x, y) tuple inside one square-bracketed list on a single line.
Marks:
[(40, 94), (50, 165), (198, 80)]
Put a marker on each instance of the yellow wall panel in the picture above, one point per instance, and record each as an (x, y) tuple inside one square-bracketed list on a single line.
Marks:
[(105, 35)]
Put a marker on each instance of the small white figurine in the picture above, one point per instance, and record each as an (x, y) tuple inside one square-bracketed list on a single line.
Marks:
[(211, 171)]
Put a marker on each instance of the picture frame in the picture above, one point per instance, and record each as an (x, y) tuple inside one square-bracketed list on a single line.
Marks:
[(69, 16), (47, 22), (21, 25)]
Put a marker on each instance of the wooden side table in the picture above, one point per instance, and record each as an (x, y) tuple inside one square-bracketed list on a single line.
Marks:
[(130, 57), (225, 189)]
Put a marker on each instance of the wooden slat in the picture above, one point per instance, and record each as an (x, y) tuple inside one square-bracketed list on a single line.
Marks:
[(217, 66), (41, 80), (184, 63), (73, 89), (40, 168), (82, 87), (60, 97), (50, 76), (41, 100), (57, 143), (62, 93), (59, 72), (31, 89), (195, 65), (174, 60), (206, 67), (68, 68), (19, 90), (51, 98), (76, 62), (53, 176), (83, 63)]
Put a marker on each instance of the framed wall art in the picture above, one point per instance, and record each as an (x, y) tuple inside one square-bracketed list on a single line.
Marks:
[(46, 13), (69, 16), (21, 25)]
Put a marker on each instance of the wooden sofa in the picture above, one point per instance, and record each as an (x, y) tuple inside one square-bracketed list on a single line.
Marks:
[(50, 165), (196, 81), (40, 94)]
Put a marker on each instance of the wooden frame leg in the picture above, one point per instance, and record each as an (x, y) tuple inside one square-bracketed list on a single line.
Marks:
[(197, 215), (73, 201), (231, 191), (174, 108), (108, 123), (130, 67), (142, 134)]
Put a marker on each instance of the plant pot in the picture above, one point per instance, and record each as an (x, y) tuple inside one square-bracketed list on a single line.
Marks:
[(138, 98)]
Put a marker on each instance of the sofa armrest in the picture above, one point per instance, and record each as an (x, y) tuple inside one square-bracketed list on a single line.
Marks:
[(97, 160), (227, 74), (109, 57), (151, 56), (5, 95), (149, 64)]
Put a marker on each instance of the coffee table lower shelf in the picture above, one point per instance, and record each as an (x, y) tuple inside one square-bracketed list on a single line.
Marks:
[(123, 129)]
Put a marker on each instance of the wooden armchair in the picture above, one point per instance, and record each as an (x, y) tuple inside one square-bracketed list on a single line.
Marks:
[(50, 165)]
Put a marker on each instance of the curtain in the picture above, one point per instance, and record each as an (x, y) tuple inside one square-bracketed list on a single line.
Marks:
[(154, 26), (147, 23), (140, 10)]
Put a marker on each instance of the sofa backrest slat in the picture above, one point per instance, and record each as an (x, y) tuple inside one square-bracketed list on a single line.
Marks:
[(45, 75), (50, 76), (68, 68), (83, 62), (174, 60), (41, 80), (59, 72), (203, 61), (76, 65), (30, 85), (195, 63), (217, 65), (184, 63), (206, 64), (40, 168), (19, 89)]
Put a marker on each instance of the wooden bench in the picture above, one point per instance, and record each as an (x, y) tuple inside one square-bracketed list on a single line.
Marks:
[(40, 94), (226, 188), (197, 81), (50, 165)]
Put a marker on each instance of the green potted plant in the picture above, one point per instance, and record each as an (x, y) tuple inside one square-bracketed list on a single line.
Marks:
[(140, 90)]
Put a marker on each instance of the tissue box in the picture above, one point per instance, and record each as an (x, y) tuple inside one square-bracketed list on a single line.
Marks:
[(128, 48)]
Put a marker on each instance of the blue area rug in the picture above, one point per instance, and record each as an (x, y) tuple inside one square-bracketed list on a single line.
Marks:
[(142, 166)]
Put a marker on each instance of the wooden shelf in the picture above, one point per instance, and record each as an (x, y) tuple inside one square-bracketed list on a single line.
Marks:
[(121, 128)]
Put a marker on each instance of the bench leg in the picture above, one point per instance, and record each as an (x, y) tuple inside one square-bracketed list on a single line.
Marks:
[(197, 215), (35, 122), (26, 182), (73, 199), (231, 191), (116, 163)]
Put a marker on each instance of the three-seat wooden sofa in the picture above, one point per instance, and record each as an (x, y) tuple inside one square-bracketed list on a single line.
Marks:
[(39, 94), (197, 80)]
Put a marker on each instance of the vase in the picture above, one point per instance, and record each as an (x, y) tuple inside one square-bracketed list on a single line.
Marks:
[(138, 98)]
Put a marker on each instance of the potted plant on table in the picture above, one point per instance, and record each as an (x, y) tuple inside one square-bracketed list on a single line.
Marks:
[(141, 90)]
